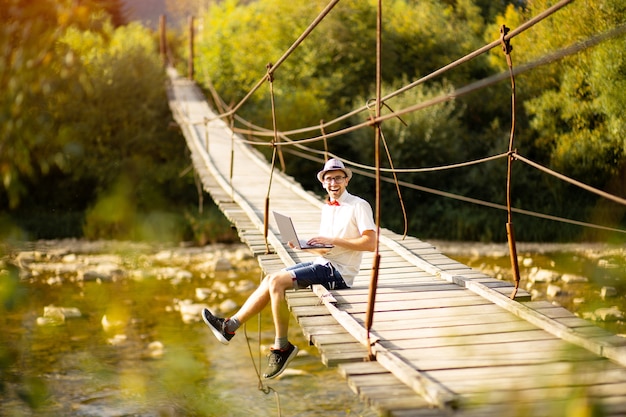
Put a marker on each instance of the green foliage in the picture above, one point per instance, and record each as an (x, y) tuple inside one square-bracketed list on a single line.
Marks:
[(32, 70), (575, 108), (84, 117), (86, 149), (568, 114)]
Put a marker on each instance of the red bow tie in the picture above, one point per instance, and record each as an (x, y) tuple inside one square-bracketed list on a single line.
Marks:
[(333, 203)]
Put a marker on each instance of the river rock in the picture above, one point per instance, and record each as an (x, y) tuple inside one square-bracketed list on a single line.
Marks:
[(242, 254), (607, 292), (203, 293), (163, 255), (573, 279), (104, 272), (228, 306), (58, 268), (117, 340), (542, 275), (554, 291), (608, 314), (607, 264), (49, 321), (66, 312), (70, 258), (111, 324), (221, 264), (190, 312), (102, 259), (245, 286), (51, 317), (56, 316), (26, 257), (154, 350)]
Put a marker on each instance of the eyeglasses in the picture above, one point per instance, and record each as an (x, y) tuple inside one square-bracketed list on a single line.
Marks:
[(338, 180)]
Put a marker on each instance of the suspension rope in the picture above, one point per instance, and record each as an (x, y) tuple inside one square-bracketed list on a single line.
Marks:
[(584, 186), (471, 200), (266, 389), (369, 319), (510, 234), (523, 27), (325, 141), (398, 190), (276, 138), (282, 59), (275, 150), (615, 32), (232, 158), (559, 54), (395, 177), (468, 89)]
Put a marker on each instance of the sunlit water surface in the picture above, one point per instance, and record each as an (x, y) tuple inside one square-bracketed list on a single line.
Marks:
[(154, 364)]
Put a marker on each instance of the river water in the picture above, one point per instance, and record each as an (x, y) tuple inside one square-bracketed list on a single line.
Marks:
[(146, 359), (136, 346)]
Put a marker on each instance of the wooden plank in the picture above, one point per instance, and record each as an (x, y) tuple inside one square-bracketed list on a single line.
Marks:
[(465, 330), (361, 307), (434, 313), (332, 355), (409, 342)]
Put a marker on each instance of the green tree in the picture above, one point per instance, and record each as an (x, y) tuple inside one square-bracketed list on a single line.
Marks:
[(32, 70), (84, 138), (574, 106)]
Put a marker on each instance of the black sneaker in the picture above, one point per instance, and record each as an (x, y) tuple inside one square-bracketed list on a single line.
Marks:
[(278, 361), (217, 326)]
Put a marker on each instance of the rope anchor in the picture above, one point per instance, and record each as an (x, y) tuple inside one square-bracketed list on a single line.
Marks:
[(506, 43)]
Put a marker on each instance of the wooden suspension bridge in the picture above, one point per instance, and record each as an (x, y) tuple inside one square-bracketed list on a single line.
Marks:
[(447, 339)]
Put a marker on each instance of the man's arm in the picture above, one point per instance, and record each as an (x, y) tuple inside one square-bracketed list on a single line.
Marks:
[(365, 242)]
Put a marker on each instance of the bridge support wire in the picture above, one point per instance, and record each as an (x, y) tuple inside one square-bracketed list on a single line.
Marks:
[(507, 48), (262, 387), (374, 277), (276, 149), (393, 171)]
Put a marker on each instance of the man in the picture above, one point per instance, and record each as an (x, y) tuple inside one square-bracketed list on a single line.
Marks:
[(347, 224)]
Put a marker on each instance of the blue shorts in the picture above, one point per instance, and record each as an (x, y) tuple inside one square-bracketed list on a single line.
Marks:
[(308, 273)]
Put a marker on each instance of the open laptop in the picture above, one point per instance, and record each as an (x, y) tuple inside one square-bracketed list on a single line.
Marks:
[(288, 233)]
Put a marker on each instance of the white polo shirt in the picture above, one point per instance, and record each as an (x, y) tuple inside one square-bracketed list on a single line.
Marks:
[(350, 219)]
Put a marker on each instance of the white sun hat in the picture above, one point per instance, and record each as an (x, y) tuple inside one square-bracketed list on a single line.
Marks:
[(334, 165)]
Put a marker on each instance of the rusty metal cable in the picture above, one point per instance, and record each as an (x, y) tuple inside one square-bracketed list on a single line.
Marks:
[(465, 199), (398, 190), (282, 59), (559, 54), (584, 186), (481, 84), (266, 389), (486, 48), (369, 319), (395, 177), (232, 158), (510, 233), (275, 150), (325, 141), (460, 92)]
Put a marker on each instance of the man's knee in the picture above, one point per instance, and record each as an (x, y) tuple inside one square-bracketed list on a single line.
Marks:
[(279, 281)]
